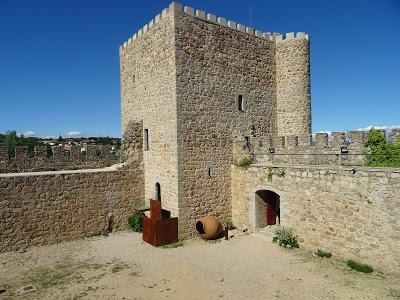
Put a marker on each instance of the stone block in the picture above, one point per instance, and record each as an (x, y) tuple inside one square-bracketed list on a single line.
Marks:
[(289, 36), (189, 10), (200, 14), (212, 18), (231, 24), (222, 21), (173, 7), (258, 33), (241, 27), (338, 139), (321, 140), (250, 30)]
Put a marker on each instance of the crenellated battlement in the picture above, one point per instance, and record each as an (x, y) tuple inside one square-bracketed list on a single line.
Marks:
[(343, 148), (56, 158), (212, 18)]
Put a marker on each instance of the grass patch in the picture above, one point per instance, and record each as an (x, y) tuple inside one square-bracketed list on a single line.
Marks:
[(321, 253), (395, 293), (173, 245), (359, 266), (118, 267), (62, 273), (215, 241)]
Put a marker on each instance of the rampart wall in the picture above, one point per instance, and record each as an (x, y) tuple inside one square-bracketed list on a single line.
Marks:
[(342, 148), (50, 207), (351, 211), (95, 156)]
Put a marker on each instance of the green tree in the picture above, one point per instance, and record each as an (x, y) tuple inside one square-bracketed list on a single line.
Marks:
[(11, 142), (381, 153), (60, 138)]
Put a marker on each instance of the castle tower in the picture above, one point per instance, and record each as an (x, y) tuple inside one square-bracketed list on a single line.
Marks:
[(293, 104), (191, 81)]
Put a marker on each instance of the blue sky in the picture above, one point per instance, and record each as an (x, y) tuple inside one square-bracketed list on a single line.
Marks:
[(59, 65)]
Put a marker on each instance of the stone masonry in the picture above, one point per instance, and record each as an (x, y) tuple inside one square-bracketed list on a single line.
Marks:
[(50, 207), (95, 156), (196, 81), (352, 212)]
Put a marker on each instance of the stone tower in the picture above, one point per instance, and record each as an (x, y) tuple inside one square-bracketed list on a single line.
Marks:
[(293, 94), (192, 82)]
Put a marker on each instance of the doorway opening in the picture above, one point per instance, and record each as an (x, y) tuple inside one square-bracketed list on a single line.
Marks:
[(267, 208)]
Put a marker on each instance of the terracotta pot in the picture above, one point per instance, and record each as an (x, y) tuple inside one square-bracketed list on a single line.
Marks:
[(209, 227)]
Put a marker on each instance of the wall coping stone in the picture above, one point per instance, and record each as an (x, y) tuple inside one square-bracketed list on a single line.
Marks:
[(209, 17), (330, 167), (62, 172)]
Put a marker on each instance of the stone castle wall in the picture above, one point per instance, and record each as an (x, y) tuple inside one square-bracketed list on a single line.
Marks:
[(51, 207), (148, 96), (215, 66), (96, 156), (353, 212), (343, 148)]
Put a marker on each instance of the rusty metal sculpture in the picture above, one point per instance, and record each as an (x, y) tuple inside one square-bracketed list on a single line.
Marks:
[(159, 229)]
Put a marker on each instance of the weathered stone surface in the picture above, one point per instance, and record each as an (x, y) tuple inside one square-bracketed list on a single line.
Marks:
[(58, 158), (352, 214), (44, 209)]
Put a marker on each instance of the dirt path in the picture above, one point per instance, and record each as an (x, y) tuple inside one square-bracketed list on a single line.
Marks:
[(120, 266)]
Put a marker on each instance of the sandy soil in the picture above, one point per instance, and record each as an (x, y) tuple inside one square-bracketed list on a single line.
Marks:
[(121, 266)]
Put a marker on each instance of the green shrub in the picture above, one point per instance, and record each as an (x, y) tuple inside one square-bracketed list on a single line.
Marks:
[(321, 253), (244, 162), (359, 266), (135, 221), (285, 237), (381, 153)]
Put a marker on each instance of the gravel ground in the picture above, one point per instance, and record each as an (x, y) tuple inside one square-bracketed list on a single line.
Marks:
[(121, 266)]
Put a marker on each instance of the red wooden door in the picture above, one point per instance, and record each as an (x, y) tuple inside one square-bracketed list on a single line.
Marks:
[(271, 211)]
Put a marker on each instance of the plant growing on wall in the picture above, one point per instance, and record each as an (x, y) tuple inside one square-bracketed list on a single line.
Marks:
[(380, 153), (281, 173), (285, 237), (270, 174), (244, 162)]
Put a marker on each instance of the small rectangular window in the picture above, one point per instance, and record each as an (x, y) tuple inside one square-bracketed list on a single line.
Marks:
[(146, 139), (240, 103)]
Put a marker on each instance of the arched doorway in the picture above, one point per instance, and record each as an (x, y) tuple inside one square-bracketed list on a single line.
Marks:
[(267, 208), (158, 192)]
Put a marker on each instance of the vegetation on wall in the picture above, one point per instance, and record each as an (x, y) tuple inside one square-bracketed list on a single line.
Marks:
[(381, 153), (244, 162)]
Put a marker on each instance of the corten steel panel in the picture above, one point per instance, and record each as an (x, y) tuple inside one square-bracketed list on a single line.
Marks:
[(166, 231), (155, 210), (149, 231), (160, 232)]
